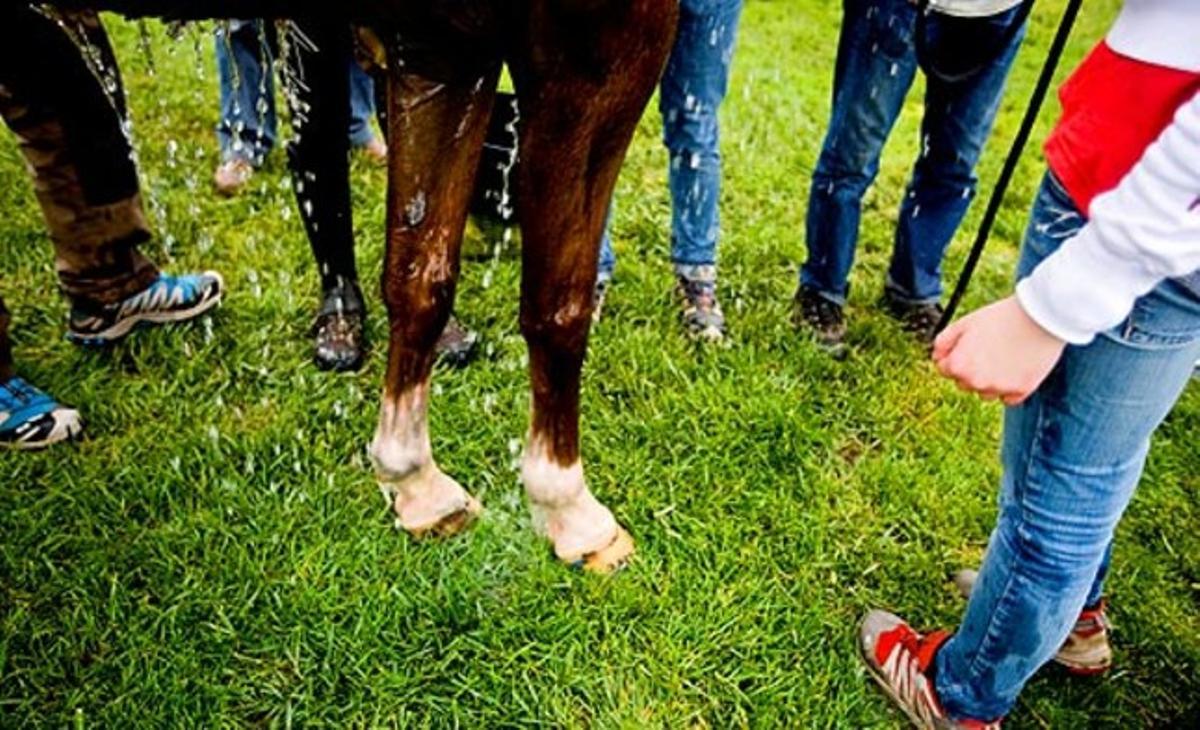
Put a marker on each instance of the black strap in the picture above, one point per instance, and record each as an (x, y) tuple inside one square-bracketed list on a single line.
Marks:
[(1010, 162)]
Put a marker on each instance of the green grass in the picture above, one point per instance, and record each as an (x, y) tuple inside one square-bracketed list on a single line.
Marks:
[(216, 553)]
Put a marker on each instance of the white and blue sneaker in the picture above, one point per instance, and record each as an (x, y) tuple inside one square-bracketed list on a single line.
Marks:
[(168, 299), (31, 419)]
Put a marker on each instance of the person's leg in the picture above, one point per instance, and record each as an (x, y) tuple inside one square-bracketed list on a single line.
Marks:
[(1073, 454), (318, 157), (958, 119), (247, 128), (875, 68), (69, 129), (692, 89), (67, 113), (362, 103)]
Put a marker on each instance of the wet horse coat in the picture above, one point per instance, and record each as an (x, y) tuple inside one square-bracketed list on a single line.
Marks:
[(583, 72)]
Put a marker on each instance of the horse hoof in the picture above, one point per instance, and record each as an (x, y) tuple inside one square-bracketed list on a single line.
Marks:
[(609, 559), (452, 524)]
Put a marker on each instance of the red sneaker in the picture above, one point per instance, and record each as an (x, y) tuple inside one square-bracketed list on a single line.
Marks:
[(900, 659)]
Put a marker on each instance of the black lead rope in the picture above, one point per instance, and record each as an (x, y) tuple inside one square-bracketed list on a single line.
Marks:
[(1010, 162)]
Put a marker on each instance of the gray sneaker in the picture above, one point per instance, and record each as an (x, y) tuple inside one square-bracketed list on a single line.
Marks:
[(701, 316)]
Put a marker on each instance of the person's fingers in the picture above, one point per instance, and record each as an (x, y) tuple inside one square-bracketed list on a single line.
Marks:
[(945, 342)]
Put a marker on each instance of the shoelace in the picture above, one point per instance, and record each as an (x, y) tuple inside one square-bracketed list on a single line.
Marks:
[(822, 313), (907, 678), (700, 295)]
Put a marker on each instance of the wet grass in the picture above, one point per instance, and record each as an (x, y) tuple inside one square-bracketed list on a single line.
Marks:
[(216, 554)]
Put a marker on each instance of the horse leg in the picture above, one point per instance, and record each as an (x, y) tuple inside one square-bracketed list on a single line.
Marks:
[(579, 108), (435, 136)]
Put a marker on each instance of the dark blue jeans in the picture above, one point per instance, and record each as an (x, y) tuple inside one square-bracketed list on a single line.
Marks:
[(876, 64), (693, 86), (248, 125), (1073, 454)]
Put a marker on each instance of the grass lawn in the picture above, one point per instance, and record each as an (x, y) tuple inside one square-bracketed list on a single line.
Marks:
[(217, 554)]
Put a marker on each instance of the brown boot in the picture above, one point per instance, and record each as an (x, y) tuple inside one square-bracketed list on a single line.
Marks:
[(232, 176)]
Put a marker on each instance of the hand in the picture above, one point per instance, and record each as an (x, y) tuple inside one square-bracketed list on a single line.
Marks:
[(997, 352)]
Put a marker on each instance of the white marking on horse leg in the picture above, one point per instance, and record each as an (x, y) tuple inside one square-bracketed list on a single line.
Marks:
[(563, 507), (417, 489)]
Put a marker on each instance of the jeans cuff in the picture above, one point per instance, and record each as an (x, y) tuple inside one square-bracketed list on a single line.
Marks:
[(901, 295), (697, 272)]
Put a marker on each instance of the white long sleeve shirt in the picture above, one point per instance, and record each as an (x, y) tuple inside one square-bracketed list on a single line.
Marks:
[(1147, 229)]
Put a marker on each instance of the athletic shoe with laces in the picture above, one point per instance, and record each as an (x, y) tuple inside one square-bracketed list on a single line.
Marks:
[(31, 419), (1087, 651), (168, 299), (701, 316), (823, 318), (920, 318), (901, 661)]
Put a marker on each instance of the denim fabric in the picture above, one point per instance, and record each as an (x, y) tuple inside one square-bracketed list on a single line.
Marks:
[(876, 64), (1072, 456), (249, 126), (693, 87)]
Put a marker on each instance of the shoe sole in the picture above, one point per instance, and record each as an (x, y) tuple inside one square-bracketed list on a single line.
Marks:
[(122, 329), (66, 430)]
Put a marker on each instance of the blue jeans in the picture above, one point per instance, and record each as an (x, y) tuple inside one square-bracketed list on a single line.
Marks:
[(876, 64), (248, 126), (693, 86), (1072, 456)]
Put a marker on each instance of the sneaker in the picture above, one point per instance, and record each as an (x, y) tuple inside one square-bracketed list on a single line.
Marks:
[(340, 344), (31, 419), (375, 150), (456, 346), (919, 319), (1087, 651), (168, 299), (598, 296), (824, 318), (701, 316), (232, 175), (901, 661)]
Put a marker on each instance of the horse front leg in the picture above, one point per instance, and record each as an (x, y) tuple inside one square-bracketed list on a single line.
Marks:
[(580, 107), (435, 135)]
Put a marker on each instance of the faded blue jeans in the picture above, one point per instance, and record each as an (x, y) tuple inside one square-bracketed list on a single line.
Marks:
[(1072, 456), (876, 64), (248, 125), (693, 87)]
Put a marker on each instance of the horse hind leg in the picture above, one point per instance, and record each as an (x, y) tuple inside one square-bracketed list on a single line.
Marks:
[(578, 122), (435, 134)]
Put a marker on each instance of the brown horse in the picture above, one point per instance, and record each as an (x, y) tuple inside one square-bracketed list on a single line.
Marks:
[(583, 72)]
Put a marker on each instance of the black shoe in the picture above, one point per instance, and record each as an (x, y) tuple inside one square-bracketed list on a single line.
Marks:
[(823, 318), (919, 319), (456, 346), (339, 342)]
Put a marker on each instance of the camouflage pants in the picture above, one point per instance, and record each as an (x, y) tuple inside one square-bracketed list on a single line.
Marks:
[(65, 108)]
